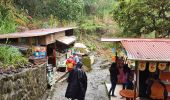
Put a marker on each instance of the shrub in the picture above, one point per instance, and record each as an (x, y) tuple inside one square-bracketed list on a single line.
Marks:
[(11, 56)]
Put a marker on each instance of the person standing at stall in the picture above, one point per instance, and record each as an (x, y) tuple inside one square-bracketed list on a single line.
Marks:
[(156, 89), (125, 76), (70, 63), (77, 83), (113, 78)]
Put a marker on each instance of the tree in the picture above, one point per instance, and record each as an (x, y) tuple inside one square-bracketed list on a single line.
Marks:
[(62, 9), (7, 17), (66, 9), (143, 16)]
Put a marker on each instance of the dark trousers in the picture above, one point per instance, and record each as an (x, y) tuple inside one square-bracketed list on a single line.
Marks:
[(124, 86), (112, 89)]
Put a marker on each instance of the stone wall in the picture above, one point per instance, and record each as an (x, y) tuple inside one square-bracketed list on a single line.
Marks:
[(30, 84)]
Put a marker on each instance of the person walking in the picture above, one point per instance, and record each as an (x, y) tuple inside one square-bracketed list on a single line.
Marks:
[(77, 83), (113, 78)]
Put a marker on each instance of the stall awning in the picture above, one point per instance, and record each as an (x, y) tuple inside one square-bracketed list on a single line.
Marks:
[(67, 39), (147, 50), (34, 33)]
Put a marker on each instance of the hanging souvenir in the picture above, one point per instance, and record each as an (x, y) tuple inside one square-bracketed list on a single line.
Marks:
[(142, 65), (162, 66), (152, 66)]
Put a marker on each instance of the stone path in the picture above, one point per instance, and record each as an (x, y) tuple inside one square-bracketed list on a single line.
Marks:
[(96, 89), (117, 89)]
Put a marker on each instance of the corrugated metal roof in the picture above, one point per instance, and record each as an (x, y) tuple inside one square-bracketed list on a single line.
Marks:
[(148, 50), (33, 33), (130, 39)]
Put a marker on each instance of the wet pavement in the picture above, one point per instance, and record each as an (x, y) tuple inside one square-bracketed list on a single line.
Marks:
[(96, 89)]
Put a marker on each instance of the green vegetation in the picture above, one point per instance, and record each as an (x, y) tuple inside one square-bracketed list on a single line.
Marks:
[(11, 56), (62, 9), (34, 14), (7, 24), (143, 16), (10, 17), (95, 18)]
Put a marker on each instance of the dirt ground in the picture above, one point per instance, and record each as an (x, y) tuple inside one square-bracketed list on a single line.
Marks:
[(96, 89)]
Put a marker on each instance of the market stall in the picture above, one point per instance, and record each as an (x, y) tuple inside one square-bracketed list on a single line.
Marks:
[(151, 56), (41, 41), (42, 46)]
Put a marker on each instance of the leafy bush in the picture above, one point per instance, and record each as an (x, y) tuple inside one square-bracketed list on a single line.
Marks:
[(62, 9), (90, 26), (10, 18), (11, 56), (98, 7), (7, 23)]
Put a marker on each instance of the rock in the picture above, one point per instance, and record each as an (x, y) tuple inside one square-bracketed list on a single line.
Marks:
[(14, 97), (105, 65), (29, 84), (87, 62), (2, 97)]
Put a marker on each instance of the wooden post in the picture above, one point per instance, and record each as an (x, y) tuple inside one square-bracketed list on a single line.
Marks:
[(116, 49), (30, 41), (54, 54), (36, 41), (18, 41), (135, 86)]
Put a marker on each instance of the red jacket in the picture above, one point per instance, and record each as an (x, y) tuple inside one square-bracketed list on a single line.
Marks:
[(70, 64)]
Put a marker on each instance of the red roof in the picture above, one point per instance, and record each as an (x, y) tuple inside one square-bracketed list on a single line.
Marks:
[(33, 33), (148, 50)]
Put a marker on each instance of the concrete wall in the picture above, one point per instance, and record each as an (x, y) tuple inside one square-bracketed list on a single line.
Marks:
[(29, 84)]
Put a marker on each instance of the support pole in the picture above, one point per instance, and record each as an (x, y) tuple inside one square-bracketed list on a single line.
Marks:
[(135, 86)]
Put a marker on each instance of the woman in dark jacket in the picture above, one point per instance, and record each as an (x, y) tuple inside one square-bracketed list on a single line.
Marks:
[(77, 83), (113, 78)]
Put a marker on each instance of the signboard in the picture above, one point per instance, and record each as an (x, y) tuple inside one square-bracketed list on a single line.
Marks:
[(162, 66), (152, 66), (40, 51), (142, 65)]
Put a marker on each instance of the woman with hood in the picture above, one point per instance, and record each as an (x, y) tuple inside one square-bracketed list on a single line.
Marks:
[(77, 83)]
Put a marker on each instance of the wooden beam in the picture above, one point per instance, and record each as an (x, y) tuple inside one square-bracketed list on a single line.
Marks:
[(30, 41)]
